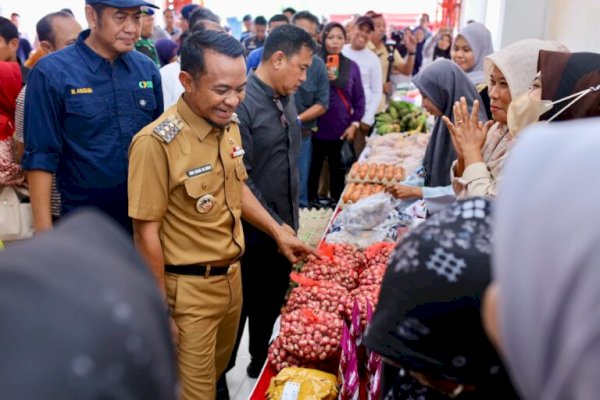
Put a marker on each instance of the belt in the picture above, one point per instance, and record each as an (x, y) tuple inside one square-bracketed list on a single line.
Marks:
[(201, 270)]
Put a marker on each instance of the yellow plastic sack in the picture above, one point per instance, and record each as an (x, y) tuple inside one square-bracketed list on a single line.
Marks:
[(302, 384)]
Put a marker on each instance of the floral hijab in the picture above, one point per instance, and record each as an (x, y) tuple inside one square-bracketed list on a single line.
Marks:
[(428, 315)]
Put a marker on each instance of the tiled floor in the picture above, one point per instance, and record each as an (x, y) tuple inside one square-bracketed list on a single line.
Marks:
[(240, 385)]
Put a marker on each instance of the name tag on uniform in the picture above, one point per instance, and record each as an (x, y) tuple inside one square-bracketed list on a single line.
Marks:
[(199, 171), (237, 152)]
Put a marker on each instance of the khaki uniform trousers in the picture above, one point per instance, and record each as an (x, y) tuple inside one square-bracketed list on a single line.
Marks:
[(207, 313)]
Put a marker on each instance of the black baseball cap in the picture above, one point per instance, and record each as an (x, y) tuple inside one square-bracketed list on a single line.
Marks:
[(122, 3), (365, 21)]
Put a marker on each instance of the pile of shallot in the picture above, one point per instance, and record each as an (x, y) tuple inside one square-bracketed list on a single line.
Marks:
[(329, 288)]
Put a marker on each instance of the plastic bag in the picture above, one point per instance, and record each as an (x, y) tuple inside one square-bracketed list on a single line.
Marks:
[(302, 383), (367, 213), (349, 368), (348, 157)]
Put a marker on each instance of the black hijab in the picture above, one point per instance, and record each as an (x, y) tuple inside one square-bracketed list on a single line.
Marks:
[(439, 53), (345, 63), (428, 315), (82, 318), (443, 83), (419, 52)]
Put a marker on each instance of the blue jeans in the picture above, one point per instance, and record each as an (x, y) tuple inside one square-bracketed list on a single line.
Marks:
[(304, 169)]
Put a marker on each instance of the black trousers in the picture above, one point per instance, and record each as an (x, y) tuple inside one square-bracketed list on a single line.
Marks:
[(265, 281), (330, 150)]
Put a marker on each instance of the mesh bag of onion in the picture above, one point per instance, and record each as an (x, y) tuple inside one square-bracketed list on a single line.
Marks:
[(379, 253), (316, 295), (330, 271), (311, 336), (372, 275), (362, 295)]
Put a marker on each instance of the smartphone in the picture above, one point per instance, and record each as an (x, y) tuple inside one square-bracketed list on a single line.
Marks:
[(333, 64)]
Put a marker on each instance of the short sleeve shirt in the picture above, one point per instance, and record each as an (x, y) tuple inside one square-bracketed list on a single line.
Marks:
[(192, 185), (81, 113), (383, 54)]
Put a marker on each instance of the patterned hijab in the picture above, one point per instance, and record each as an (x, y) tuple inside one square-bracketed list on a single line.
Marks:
[(564, 74), (480, 42), (428, 316), (82, 317), (546, 261), (443, 82)]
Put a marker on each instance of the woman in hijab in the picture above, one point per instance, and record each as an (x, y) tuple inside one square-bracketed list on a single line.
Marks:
[(10, 86), (82, 318), (472, 44), (166, 50), (440, 84), (342, 119), (419, 34), (542, 310), (428, 319), (442, 46), (482, 149), (565, 74)]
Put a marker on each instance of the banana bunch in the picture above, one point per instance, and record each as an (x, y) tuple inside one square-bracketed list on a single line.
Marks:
[(401, 116)]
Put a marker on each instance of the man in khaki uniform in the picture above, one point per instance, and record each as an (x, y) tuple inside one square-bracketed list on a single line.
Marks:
[(187, 195), (399, 66)]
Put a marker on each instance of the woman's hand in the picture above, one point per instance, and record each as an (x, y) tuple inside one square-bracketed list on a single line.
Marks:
[(404, 191), (467, 133), (349, 134), (331, 75)]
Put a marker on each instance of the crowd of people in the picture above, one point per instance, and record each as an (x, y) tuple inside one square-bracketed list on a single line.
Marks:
[(202, 147)]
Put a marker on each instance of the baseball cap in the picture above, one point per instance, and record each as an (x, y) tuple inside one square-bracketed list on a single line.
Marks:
[(365, 20), (122, 3), (147, 10)]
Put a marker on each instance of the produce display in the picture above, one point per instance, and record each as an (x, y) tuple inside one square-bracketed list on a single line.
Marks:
[(358, 191), (334, 296), (401, 116), (376, 173), (334, 288), (396, 149)]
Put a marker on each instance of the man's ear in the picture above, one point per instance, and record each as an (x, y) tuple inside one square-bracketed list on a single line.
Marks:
[(46, 46), (278, 59), (91, 17), (13, 45), (187, 81)]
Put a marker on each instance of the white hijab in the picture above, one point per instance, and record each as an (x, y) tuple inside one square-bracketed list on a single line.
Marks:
[(546, 261), (519, 62)]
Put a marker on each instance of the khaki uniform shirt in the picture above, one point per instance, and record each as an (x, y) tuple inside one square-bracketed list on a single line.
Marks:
[(383, 53), (189, 175)]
